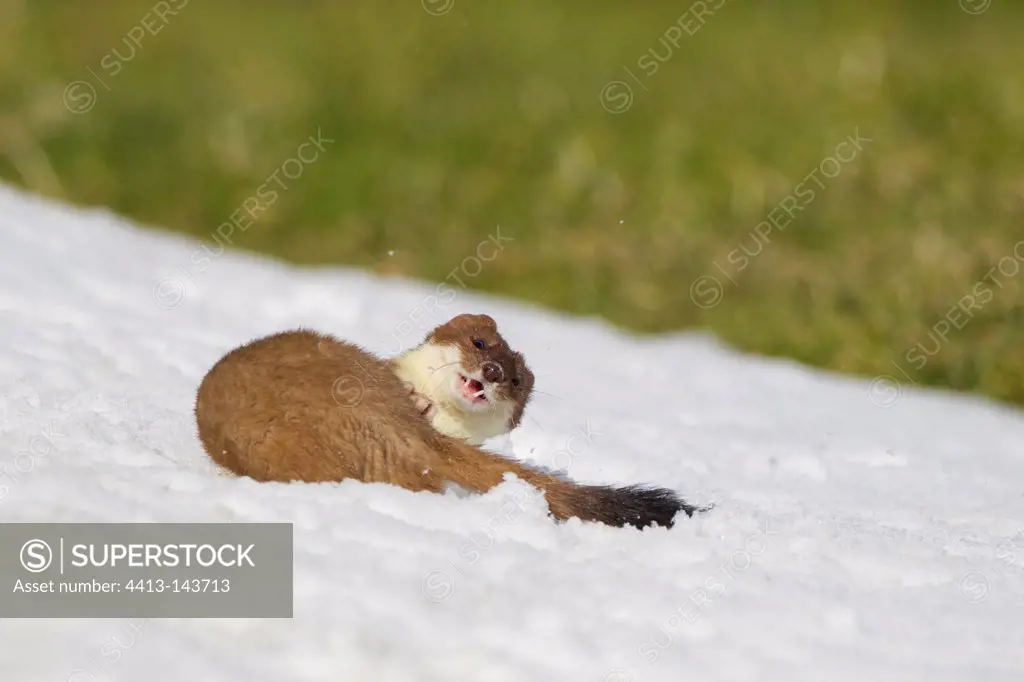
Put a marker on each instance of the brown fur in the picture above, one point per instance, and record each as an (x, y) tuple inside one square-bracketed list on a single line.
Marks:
[(301, 406)]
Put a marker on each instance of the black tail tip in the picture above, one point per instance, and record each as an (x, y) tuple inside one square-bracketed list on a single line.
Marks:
[(640, 507)]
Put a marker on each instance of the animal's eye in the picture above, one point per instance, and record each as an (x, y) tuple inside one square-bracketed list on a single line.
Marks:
[(479, 343), (515, 382)]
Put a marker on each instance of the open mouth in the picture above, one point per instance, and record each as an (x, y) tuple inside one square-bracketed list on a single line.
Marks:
[(471, 390)]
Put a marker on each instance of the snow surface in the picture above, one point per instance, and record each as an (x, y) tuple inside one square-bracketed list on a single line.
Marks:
[(859, 534)]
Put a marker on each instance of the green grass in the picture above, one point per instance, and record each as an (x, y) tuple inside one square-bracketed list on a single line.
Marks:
[(448, 126)]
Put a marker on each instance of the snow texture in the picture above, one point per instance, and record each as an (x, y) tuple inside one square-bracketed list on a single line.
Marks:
[(860, 533)]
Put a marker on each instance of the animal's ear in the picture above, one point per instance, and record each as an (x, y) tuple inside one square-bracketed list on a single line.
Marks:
[(525, 374), (479, 320), (460, 325)]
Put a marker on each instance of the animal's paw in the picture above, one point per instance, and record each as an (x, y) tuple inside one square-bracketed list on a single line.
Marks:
[(421, 402)]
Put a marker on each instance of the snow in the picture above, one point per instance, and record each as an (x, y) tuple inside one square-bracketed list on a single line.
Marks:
[(856, 535)]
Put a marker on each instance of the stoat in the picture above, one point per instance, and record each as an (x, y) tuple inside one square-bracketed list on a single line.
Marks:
[(305, 406)]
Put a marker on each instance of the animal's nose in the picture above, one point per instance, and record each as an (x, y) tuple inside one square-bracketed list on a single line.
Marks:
[(493, 372)]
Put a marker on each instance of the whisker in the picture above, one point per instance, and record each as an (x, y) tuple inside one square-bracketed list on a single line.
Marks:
[(550, 394), (447, 364), (535, 421)]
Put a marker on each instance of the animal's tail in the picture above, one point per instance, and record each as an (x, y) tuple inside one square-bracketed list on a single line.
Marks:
[(639, 506)]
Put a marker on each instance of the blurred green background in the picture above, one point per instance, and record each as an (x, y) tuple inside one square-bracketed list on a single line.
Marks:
[(451, 118)]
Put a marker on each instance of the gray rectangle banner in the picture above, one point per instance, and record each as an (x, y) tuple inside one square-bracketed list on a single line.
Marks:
[(146, 570)]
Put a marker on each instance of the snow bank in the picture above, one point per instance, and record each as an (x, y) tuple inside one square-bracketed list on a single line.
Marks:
[(854, 538)]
